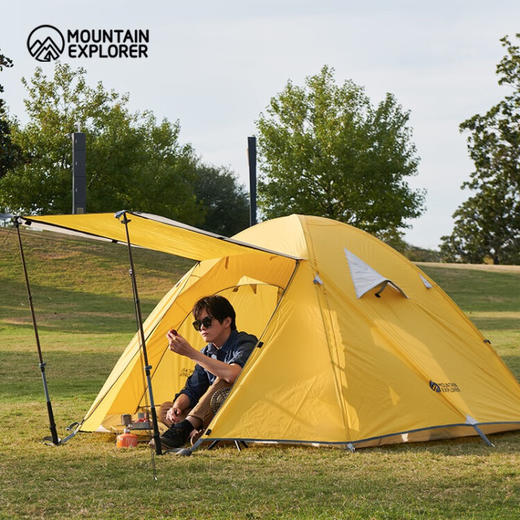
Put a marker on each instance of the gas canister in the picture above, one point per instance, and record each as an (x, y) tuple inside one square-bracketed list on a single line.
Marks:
[(126, 440)]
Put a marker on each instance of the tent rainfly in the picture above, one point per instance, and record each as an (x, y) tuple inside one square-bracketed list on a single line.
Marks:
[(357, 346)]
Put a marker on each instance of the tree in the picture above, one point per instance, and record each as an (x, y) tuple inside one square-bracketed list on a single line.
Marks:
[(133, 162), (225, 202), (326, 150), (10, 153), (488, 223)]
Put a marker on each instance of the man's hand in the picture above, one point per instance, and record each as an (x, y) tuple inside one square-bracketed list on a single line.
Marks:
[(179, 408), (179, 345), (174, 414)]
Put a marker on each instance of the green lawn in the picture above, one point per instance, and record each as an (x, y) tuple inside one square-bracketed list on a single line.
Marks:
[(82, 295)]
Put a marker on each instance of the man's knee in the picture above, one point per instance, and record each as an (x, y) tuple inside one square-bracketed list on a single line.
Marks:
[(211, 401), (218, 398), (163, 410)]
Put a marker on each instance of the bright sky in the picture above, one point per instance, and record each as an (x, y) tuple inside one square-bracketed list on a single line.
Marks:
[(215, 65)]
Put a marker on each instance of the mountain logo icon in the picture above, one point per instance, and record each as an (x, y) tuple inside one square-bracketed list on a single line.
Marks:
[(45, 43)]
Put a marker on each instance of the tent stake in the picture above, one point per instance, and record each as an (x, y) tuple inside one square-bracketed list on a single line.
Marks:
[(156, 436), (472, 422), (54, 434), (483, 436)]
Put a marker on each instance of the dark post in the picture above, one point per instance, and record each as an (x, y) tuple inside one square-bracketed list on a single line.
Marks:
[(251, 153), (79, 173)]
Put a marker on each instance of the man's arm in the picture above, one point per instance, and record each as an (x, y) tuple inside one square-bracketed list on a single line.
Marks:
[(227, 372), (179, 409), (189, 396), (218, 368)]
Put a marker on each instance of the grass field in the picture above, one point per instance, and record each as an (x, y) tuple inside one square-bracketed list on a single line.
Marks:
[(82, 295)]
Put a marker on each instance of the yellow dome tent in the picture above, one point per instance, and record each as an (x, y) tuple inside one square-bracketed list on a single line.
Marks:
[(357, 346)]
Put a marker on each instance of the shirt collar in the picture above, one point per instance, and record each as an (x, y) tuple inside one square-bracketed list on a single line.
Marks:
[(226, 346)]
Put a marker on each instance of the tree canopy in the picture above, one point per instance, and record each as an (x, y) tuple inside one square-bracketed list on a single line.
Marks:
[(10, 153), (326, 150), (225, 201), (487, 225), (134, 162)]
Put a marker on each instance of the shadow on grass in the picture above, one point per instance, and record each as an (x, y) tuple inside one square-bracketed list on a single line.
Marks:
[(69, 375), (69, 311), (508, 441), (155, 264), (48, 247)]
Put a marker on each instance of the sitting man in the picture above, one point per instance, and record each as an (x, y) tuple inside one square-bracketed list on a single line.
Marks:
[(218, 365)]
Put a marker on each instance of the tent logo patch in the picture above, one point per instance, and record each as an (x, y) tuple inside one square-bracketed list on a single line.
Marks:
[(444, 387)]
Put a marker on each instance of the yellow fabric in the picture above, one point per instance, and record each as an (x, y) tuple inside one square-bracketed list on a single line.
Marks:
[(333, 368), (146, 232), (124, 391)]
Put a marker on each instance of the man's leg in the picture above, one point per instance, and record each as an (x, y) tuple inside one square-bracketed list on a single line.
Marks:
[(197, 420), (202, 413), (163, 410)]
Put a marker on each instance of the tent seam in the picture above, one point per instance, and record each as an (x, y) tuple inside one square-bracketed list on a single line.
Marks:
[(333, 351)]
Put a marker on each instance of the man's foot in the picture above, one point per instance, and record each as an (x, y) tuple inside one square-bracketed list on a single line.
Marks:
[(195, 435), (176, 436)]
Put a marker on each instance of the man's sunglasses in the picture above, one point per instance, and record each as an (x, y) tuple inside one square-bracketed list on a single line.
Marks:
[(197, 324)]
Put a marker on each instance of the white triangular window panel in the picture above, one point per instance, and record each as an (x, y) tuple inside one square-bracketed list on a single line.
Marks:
[(426, 283), (365, 278)]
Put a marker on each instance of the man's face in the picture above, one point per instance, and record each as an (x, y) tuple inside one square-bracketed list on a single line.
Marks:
[(216, 333)]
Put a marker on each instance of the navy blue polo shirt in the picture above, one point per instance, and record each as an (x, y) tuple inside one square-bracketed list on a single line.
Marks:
[(236, 349)]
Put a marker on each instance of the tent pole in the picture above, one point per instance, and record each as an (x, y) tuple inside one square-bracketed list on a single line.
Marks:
[(147, 368), (54, 434)]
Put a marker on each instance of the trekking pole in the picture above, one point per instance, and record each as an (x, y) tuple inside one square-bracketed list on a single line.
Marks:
[(123, 214), (54, 434)]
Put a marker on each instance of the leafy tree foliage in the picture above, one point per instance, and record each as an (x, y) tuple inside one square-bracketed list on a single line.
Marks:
[(326, 150), (10, 154), (133, 162), (225, 202), (487, 225)]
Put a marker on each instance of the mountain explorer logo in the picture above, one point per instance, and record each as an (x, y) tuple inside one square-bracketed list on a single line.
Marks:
[(444, 387), (45, 43), (434, 386)]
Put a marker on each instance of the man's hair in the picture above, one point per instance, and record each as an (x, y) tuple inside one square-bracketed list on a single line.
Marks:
[(216, 306)]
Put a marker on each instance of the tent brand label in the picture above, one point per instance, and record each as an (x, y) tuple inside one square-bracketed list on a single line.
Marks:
[(185, 372), (444, 387), (47, 43)]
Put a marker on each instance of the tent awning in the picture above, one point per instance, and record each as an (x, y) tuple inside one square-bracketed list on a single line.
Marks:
[(151, 232)]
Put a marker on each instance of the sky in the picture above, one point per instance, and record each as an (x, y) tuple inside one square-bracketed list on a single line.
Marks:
[(214, 66)]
